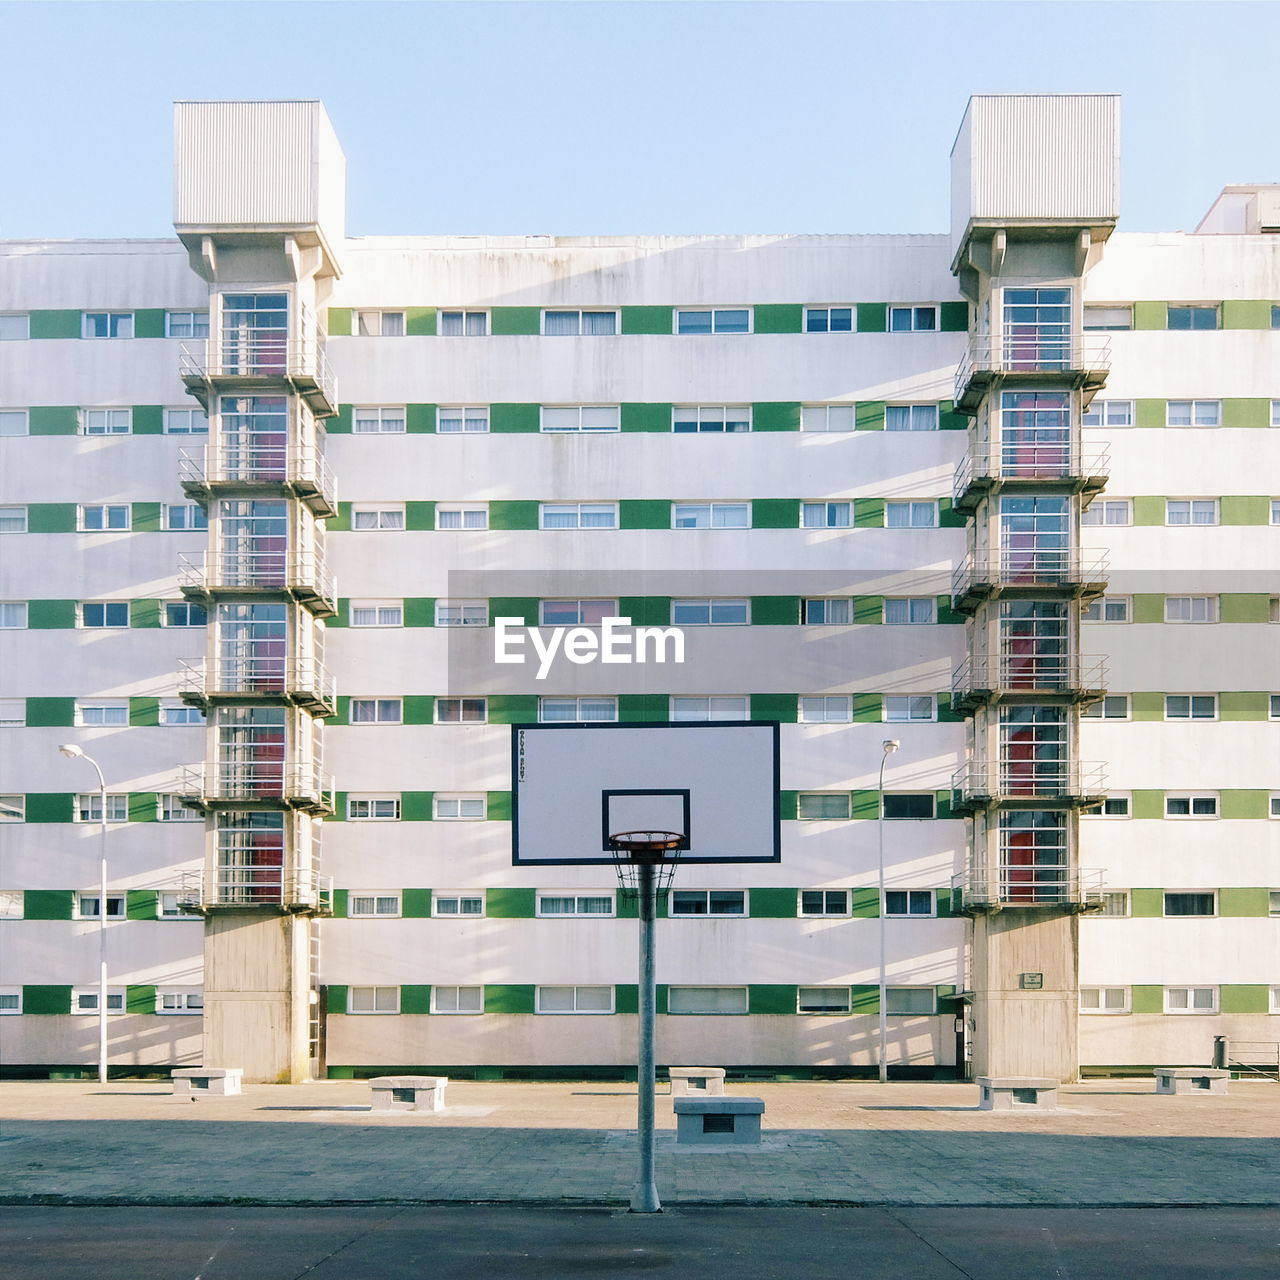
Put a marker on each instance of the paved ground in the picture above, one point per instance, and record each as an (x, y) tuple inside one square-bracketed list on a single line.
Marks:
[(521, 1243), (902, 1144)]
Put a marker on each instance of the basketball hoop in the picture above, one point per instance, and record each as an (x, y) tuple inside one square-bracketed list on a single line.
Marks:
[(658, 850)]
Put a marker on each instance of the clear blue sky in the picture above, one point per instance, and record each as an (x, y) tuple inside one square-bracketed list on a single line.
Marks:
[(626, 117)]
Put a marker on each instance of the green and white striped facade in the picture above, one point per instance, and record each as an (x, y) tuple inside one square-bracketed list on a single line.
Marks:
[(1060, 590)]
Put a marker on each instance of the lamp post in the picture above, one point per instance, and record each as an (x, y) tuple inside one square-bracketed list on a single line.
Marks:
[(73, 752), (888, 747)]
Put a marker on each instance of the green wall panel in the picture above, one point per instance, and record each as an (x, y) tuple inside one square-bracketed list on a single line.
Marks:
[(418, 708), (1150, 413), (415, 806), (788, 804), (646, 611), (340, 423), (1246, 413), (1241, 803), (148, 322), (511, 904), (420, 516), (142, 904), (771, 998), (1241, 313), (498, 807), (1150, 315), (515, 321), (949, 419), (1244, 608), (55, 324), (51, 712), (335, 998), (1245, 509), (868, 513), (415, 999), (140, 999), (775, 611), (650, 320), (510, 418), (868, 610), (415, 904), (873, 317), (509, 998), (1245, 998), (146, 517), (1148, 509), (775, 415), (1146, 999), (775, 513), (773, 904), (51, 806), (53, 420), (40, 998), (340, 322), (45, 615), (1147, 804), (954, 317), (523, 607), (420, 419), (869, 415), (948, 516), (148, 420), (626, 998), (341, 523), (650, 708), (644, 513), (868, 708), (865, 998), (865, 804), (1146, 903), (1146, 706), (1236, 704), (946, 713), (51, 517), (420, 322), (145, 613), (339, 902), (947, 616), (48, 904), (143, 806), (513, 708), (646, 417), (775, 706), (513, 515), (1148, 607), (1244, 902), (864, 903), (784, 317)]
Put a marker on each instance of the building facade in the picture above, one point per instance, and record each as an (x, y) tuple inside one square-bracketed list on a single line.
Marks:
[(1005, 497)]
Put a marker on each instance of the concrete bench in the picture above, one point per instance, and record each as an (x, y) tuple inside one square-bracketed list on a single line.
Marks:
[(1191, 1080), (1017, 1093), (408, 1093), (708, 1121), (196, 1082), (707, 1082)]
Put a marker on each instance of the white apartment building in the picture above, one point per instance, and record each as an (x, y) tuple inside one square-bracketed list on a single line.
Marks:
[(1007, 496)]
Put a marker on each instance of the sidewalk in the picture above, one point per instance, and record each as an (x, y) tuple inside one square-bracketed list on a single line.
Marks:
[(1112, 1143)]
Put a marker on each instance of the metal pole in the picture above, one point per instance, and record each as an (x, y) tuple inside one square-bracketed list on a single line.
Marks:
[(645, 1197), (888, 747)]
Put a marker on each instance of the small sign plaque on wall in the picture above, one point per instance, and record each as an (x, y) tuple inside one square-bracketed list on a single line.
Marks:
[(1031, 982)]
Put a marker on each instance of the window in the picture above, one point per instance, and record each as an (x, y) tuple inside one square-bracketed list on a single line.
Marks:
[(910, 1000), (909, 708), (15, 326), (578, 515), (13, 712), (179, 1002), (827, 417), (114, 516), (108, 422), (823, 1000), (102, 714), (1193, 317), (912, 319), (13, 615), (572, 710), (378, 420), (1191, 608), (706, 1000), (710, 708), (384, 808), (1098, 319), (1191, 706), (362, 905), (1273, 609), (1275, 806), (464, 324), (828, 319), (169, 808), (827, 709), (1193, 413), (1106, 609), (462, 419), (1275, 415), (826, 515), (708, 902), (186, 324), (13, 808), (89, 906), (185, 615), (910, 515), (380, 324), (458, 808), (1104, 999), (1274, 706), (13, 519), (912, 610), (10, 997), (687, 419), (710, 515), (571, 904), (184, 517), (1108, 511), (1115, 706), (104, 614), (575, 1000), (12, 903), (828, 613), (457, 999), (107, 324), (824, 902), (89, 808), (586, 324), (461, 710), (1195, 805), (1191, 999), (710, 613), (377, 613), (462, 613), (85, 1000), (823, 806), (580, 418), (475, 516), (186, 422), (1191, 511), (1108, 413), (1115, 903), (1275, 511), (908, 902), (716, 320), (911, 417), (365, 518), (373, 999), (1273, 903), (576, 613), (13, 422), (457, 904), (916, 805), (376, 711), (1190, 904)]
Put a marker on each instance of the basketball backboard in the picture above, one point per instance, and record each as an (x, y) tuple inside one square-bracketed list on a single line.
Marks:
[(574, 785)]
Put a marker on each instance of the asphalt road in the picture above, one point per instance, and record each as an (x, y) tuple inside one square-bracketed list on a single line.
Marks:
[(476, 1242)]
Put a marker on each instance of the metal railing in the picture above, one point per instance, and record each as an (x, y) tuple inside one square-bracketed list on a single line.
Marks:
[(301, 468), (303, 785), (1029, 568), (299, 572), (1055, 462), (1015, 779), (1015, 672), (295, 679), (1248, 1059), (262, 356), (1027, 886), (1031, 354), (235, 884)]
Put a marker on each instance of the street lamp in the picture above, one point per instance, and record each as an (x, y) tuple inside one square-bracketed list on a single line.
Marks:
[(73, 752), (888, 747)]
